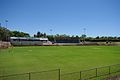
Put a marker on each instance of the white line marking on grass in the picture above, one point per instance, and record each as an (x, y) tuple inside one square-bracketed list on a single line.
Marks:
[(30, 50), (96, 48)]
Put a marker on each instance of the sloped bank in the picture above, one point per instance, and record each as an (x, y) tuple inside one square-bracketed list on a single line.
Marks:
[(4, 45)]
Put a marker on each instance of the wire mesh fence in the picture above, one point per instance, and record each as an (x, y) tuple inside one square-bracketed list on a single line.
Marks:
[(43, 75), (24, 76), (100, 73), (115, 68), (46, 75), (86, 74), (71, 76)]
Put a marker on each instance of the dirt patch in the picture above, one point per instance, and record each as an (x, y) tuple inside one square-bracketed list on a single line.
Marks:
[(114, 78)]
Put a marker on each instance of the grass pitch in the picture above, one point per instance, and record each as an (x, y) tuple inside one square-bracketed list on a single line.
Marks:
[(67, 58)]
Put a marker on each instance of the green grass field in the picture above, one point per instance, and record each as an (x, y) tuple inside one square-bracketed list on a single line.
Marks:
[(67, 58)]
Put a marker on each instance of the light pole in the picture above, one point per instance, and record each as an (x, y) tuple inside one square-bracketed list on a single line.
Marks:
[(84, 33), (84, 29), (6, 21), (0, 24), (53, 36), (51, 31)]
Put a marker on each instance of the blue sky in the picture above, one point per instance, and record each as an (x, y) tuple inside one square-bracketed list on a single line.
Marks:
[(99, 17)]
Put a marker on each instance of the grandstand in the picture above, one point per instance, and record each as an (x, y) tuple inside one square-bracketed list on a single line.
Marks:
[(28, 41)]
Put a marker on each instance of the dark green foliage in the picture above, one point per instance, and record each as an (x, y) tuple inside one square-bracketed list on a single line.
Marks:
[(19, 34), (4, 34), (39, 34)]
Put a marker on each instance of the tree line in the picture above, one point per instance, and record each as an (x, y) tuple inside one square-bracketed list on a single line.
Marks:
[(5, 35)]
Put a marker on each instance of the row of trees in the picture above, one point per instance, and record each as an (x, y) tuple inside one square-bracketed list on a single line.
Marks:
[(39, 34), (103, 38), (19, 34), (5, 34), (83, 37)]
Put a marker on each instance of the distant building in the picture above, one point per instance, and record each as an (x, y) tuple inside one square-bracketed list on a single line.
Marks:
[(27, 41)]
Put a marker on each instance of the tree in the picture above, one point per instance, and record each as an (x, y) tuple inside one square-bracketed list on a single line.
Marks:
[(19, 34), (44, 35), (38, 34), (83, 36), (97, 37), (4, 34), (50, 37)]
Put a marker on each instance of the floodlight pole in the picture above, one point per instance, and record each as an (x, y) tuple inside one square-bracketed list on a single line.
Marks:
[(0, 23), (53, 35), (51, 32), (84, 30), (6, 22), (84, 33)]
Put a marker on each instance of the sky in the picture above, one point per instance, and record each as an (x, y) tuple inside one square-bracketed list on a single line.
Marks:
[(71, 17)]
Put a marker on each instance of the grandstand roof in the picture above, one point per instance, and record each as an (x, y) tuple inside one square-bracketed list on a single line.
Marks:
[(31, 38)]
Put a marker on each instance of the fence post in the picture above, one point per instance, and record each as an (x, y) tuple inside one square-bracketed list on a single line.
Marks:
[(109, 70), (80, 75), (59, 74), (96, 72), (29, 76)]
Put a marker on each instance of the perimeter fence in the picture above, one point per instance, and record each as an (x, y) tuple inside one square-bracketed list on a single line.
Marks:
[(99, 73), (93, 74), (43, 75)]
